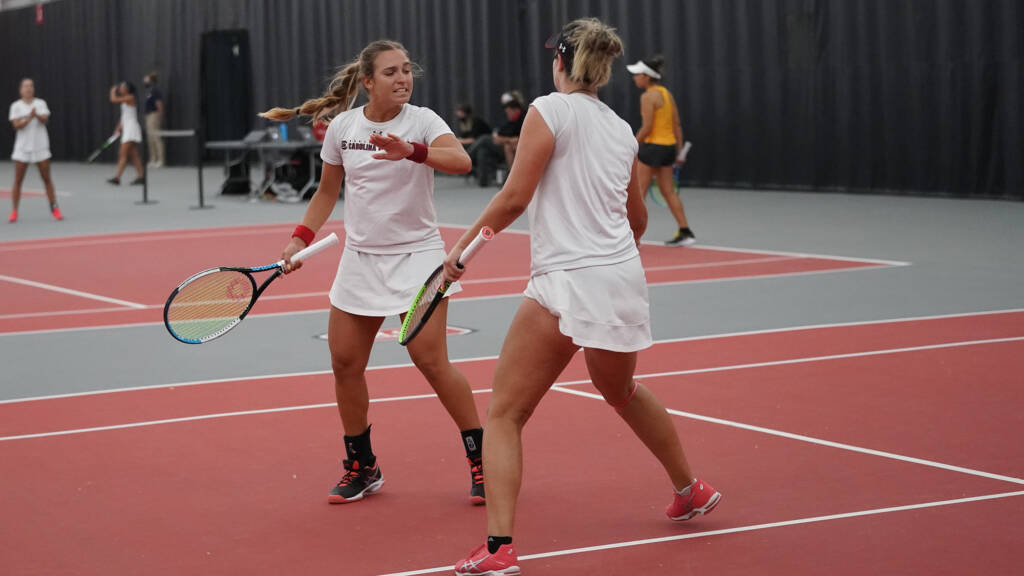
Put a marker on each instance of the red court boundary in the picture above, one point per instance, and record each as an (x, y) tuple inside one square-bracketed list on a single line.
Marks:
[(239, 492), (123, 279)]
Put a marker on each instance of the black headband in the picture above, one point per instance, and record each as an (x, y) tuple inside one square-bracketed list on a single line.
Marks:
[(560, 44)]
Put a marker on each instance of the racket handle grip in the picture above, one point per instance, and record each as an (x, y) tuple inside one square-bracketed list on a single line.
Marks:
[(315, 247), (485, 234)]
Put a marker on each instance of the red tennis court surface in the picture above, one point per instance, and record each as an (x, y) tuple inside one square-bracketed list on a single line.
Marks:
[(125, 278), (889, 447)]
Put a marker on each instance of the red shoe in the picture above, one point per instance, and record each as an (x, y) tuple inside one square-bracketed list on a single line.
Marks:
[(504, 562), (14, 216), (702, 499), (56, 213), (476, 487)]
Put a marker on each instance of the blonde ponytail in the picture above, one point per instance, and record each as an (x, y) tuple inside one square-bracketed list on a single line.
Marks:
[(595, 46)]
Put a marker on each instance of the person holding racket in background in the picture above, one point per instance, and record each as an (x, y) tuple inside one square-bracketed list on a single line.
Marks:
[(587, 286), (661, 141), (386, 151), (130, 130), (28, 116)]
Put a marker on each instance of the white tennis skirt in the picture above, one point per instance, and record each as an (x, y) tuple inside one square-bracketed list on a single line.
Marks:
[(603, 307), (131, 132), (383, 284), (30, 157)]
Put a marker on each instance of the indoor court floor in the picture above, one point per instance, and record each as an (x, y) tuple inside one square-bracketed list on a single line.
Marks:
[(845, 369)]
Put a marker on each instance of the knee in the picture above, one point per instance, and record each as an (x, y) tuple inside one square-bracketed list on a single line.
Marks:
[(345, 366), (509, 412), (432, 367)]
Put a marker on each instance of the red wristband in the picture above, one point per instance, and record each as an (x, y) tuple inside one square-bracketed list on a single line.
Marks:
[(304, 234), (419, 153)]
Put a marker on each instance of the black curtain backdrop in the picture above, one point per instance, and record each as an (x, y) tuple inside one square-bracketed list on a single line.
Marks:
[(895, 96)]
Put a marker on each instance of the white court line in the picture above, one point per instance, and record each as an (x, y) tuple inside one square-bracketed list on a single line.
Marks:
[(560, 386), (815, 358), (739, 529), (805, 255), (730, 249), (813, 440), (457, 297), (80, 294), (715, 264), (147, 423), (155, 235), (494, 357)]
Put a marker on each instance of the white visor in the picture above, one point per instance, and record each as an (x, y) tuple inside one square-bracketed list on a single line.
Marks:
[(641, 68)]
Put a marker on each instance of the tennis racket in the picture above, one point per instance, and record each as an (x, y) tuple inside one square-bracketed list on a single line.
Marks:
[(208, 304), (96, 153), (433, 290)]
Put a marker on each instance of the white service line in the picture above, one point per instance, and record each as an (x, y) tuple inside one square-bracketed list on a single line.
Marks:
[(812, 440), (210, 417), (739, 529), (814, 359), (715, 264), (78, 293), (494, 357), (457, 297)]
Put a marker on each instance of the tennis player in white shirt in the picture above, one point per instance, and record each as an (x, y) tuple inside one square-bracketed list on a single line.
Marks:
[(576, 172), (386, 151), (28, 116)]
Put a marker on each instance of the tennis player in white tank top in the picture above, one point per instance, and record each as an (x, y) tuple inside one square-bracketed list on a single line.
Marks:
[(386, 153), (576, 170)]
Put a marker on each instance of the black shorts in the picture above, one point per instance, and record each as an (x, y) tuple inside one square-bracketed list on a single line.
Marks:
[(657, 155)]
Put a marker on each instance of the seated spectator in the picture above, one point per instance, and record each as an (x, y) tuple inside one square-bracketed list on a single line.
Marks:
[(468, 128), (492, 149)]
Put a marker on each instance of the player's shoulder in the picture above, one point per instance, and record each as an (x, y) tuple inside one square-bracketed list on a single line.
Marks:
[(420, 113)]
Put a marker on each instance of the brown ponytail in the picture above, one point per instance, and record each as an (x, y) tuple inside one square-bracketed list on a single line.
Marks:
[(343, 89)]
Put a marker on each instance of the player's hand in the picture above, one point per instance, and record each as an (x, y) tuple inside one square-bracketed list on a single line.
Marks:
[(294, 245), (452, 270), (392, 147)]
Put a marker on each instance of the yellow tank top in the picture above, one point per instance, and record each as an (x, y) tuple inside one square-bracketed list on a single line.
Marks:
[(661, 132)]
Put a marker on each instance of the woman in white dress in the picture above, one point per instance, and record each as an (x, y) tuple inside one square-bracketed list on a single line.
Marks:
[(576, 172), (386, 152), (130, 130), (28, 116)]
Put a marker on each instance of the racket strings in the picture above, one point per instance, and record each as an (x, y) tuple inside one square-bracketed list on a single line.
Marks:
[(435, 285), (209, 304)]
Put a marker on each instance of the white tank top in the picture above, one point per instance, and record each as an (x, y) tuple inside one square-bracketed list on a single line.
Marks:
[(578, 213), (128, 115)]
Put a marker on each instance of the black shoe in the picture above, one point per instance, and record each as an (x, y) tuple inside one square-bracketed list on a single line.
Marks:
[(138, 181), (357, 482), (115, 181), (684, 237), (476, 487)]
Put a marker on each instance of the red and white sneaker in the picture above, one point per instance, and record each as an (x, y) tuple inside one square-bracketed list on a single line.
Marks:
[(504, 562), (702, 499), (13, 217), (56, 213)]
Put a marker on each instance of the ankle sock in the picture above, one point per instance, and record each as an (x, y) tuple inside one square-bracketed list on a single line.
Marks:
[(358, 448), (473, 440), (495, 542)]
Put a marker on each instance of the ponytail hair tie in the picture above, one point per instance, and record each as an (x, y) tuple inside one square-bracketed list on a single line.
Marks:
[(298, 110)]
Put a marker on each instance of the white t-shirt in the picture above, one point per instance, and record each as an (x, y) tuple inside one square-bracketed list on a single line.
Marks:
[(33, 137), (578, 213), (389, 205)]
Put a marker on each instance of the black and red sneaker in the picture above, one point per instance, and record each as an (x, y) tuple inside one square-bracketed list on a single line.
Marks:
[(476, 488), (357, 482)]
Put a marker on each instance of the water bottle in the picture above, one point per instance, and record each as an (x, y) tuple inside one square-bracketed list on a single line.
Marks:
[(284, 132)]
